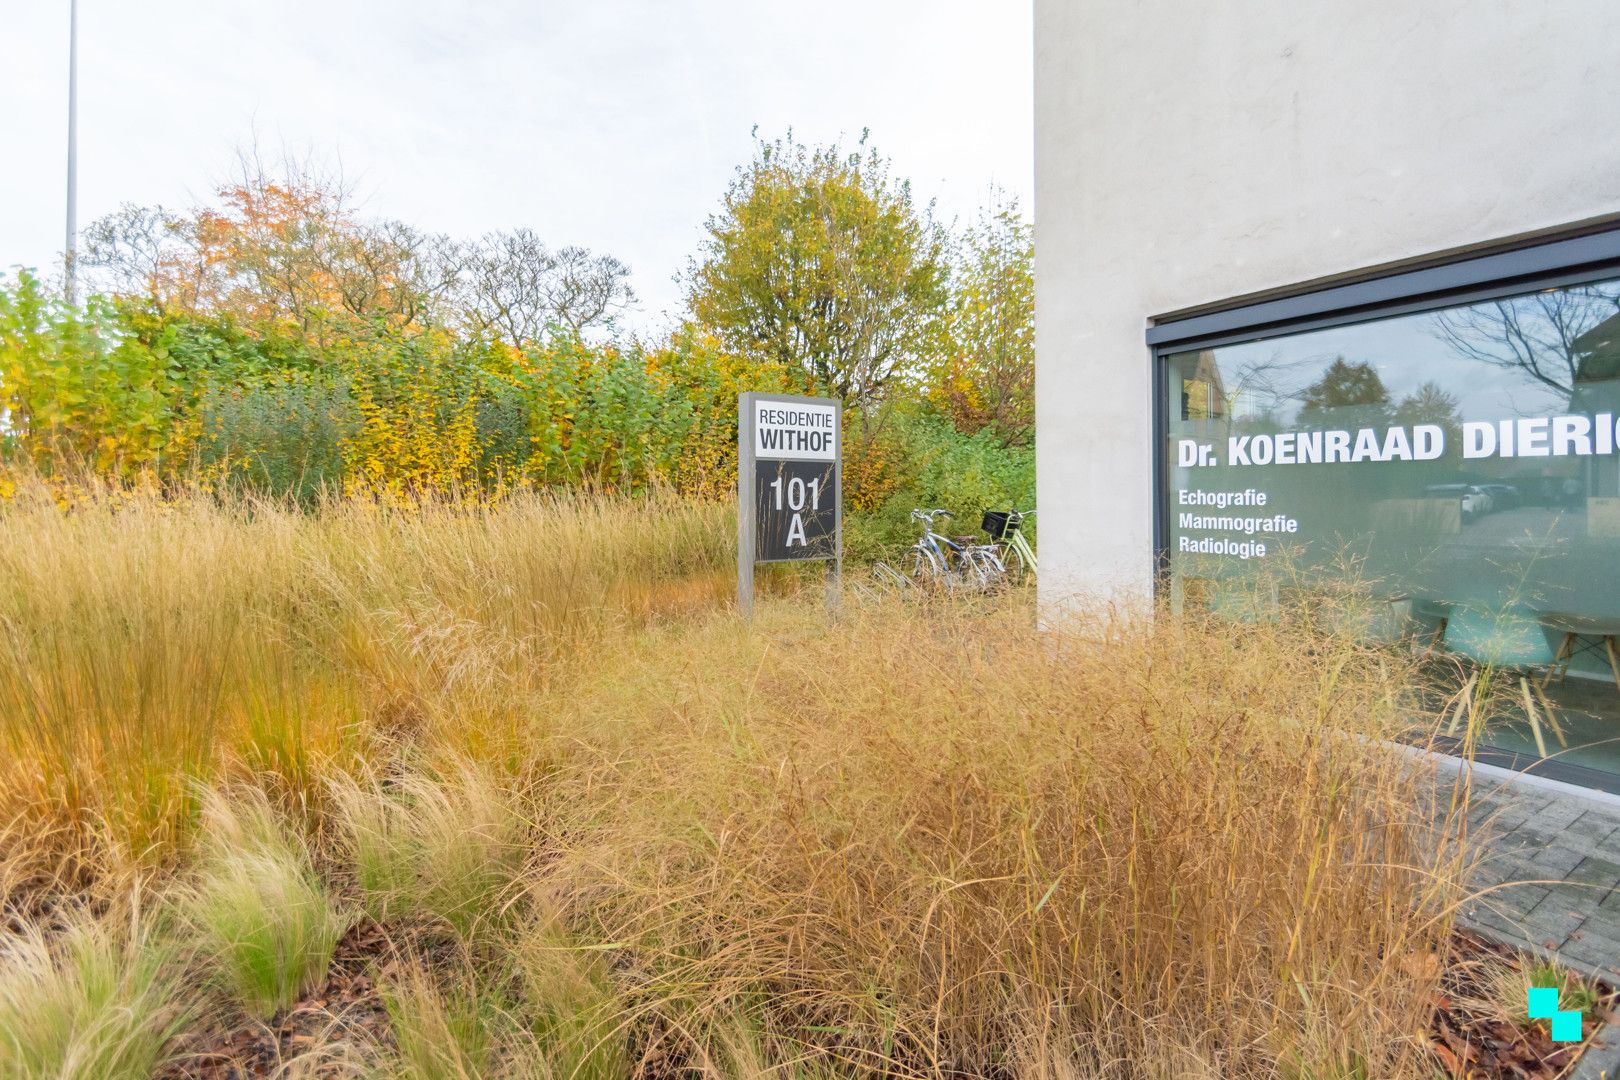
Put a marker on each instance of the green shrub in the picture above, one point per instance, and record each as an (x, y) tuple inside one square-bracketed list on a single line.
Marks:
[(282, 435), (938, 466), (75, 384)]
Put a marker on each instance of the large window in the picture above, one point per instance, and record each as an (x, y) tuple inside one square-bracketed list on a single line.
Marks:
[(1460, 464)]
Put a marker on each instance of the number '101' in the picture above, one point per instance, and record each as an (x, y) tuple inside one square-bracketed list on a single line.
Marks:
[(796, 492)]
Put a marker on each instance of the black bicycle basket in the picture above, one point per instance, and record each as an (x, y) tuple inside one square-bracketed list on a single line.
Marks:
[(995, 523)]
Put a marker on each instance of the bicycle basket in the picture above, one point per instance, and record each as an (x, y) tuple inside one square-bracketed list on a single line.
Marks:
[(995, 522)]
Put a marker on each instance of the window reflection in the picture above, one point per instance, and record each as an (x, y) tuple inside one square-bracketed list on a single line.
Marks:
[(1462, 462)]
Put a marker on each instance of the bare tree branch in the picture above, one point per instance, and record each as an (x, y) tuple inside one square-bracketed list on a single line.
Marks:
[(519, 289), (1534, 334)]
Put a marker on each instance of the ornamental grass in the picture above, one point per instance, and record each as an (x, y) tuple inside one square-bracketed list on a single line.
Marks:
[(606, 828)]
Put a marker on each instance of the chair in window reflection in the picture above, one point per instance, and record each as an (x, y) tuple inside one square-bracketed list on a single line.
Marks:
[(1429, 619), (1600, 632), (1504, 642)]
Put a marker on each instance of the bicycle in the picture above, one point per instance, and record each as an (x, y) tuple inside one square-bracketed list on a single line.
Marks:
[(936, 559), (1005, 527)]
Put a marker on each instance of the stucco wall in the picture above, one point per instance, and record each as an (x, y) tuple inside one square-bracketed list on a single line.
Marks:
[(1191, 152)]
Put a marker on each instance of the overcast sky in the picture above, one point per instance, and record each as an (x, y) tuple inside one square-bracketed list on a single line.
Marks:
[(614, 124)]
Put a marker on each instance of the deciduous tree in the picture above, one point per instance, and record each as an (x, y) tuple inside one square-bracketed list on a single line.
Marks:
[(283, 249), (1347, 385), (518, 289), (984, 376), (820, 261)]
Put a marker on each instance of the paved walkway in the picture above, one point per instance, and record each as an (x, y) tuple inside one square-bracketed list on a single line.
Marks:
[(1552, 883), (1552, 874)]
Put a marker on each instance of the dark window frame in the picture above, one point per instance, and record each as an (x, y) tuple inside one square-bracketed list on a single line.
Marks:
[(1513, 269), (1464, 280)]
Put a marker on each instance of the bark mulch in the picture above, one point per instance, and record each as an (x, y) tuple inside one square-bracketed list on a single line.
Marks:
[(1470, 1045), (347, 1013)]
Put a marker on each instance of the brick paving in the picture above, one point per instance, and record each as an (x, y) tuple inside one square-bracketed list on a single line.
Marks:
[(1551, 879), (1551, 883)]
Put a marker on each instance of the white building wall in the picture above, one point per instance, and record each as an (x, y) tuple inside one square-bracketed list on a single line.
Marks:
[(1190, 152)]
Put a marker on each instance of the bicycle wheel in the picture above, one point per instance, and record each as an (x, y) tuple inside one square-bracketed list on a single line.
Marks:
[(922, 567), (983, 569), (1013, 560)]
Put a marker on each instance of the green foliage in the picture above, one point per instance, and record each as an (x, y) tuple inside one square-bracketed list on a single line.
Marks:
[(74, 384), (1347, 385), (819, 261), (280, 343), (595, 416), (700, 382), (1573, 991), (934, 465), (984, 376), (283, 433)]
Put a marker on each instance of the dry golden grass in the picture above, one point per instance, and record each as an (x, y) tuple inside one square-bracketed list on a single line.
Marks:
[(922, 840), (148, 644), (443, 847)]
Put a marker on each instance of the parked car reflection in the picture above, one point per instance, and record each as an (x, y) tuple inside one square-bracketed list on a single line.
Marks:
[(1475, 500)]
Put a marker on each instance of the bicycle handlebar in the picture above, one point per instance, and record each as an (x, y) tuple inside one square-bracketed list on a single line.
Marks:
[(929, 515)]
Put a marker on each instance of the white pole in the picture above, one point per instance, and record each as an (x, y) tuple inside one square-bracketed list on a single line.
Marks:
[(70, 256)]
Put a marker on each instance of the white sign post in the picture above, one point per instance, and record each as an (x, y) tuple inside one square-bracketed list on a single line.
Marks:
[(789, 487)]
